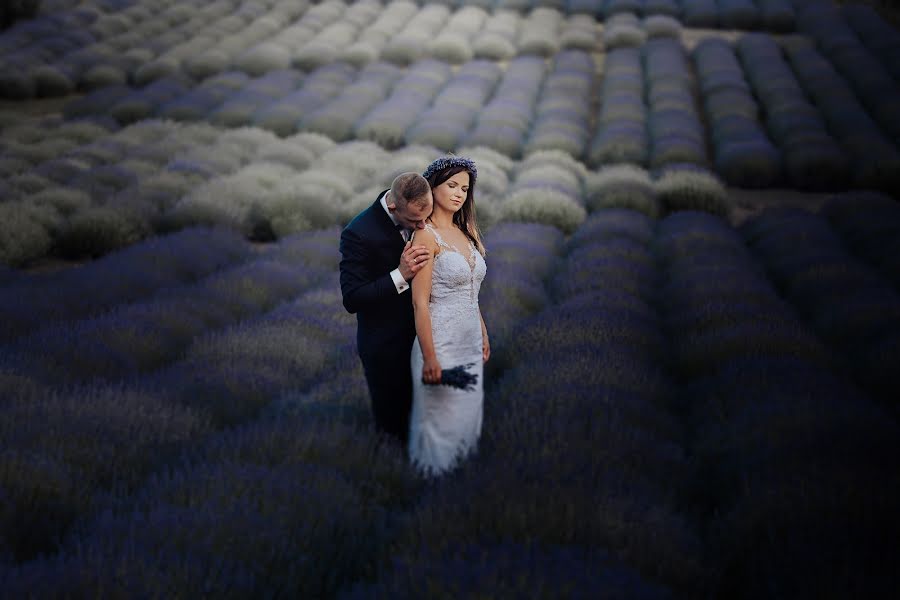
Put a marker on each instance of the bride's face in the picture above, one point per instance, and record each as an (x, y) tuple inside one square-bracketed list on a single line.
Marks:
[(451, 194)]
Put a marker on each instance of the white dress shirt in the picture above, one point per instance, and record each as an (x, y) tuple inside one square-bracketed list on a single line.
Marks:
[(401, 284)]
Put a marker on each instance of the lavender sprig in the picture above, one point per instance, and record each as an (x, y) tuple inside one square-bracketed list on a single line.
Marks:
[(458, 377)]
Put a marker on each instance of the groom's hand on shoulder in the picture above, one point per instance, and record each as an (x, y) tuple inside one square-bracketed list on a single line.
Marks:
[(413, 260)]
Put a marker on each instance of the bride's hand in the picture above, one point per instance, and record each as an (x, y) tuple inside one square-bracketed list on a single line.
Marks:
[(485, 348), (431, 371)]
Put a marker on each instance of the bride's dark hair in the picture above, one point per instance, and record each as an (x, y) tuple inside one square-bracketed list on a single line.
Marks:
[(443, 169)]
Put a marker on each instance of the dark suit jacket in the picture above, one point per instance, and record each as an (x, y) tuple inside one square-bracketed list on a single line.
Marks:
[(370, 250)]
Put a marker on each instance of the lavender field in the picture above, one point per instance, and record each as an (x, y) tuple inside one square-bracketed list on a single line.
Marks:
[(691, 394)]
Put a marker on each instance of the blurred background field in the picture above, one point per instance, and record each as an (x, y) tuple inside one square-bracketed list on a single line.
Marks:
[(691, 215)]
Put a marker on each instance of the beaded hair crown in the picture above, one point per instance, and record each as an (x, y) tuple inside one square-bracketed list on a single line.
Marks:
[(446, 162)]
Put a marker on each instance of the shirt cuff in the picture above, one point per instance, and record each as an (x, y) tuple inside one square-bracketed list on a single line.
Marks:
[(399, 282)]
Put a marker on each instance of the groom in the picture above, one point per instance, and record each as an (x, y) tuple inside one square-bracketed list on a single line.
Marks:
[(377, 265)]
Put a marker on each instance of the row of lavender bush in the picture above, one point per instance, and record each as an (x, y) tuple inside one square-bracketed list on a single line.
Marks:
[(550, 507), (504, 121), (848, 303), (86, 49), (143, 335), (522, 256), (627, 30), (648, 110), (877, 34), (306, 386), (621, 134), (742, 477), (383, 103), (669, 190), (772, 15), (392, 106), (119, 188), (39, 299), (676, 133), (387, 123), (453, 112), (53, 56), (158, 176), (599, 350), (813, 159), (74, 478), (874, 157), (57, 55), (564, 105), (789, 478), (820, 143), (869, 225), (741, 470), (321, 86), (179, 439), (547, 187), (743, 154), (214, 40), (861, 67)]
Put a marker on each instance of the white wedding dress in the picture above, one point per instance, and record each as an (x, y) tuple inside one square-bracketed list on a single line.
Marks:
[(446, 422)]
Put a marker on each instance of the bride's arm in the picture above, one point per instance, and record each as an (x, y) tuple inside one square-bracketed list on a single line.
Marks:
[(421, 296), (485, 341)]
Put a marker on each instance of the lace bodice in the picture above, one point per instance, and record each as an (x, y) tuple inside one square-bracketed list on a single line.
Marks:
[(457, 277)]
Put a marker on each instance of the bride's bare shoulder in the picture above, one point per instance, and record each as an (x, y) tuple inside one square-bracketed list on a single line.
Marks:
[(425, 237)]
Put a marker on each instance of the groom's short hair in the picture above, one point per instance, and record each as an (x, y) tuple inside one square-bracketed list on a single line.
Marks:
[(409, 187)]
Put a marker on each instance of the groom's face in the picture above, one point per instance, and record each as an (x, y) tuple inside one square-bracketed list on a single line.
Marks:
[(413, 214)]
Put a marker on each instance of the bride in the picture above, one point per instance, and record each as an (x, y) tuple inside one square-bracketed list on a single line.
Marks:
[(446, 420)]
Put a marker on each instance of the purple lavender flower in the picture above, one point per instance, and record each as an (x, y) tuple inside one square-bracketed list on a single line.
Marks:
[(446, 162), (458, 377)]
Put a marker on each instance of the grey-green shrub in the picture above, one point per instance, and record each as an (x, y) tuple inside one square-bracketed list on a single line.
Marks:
[(410, 43), (623, 30), (228, 200), (579, 33), (549, 176), (65, 201), (263, 58), (543, 206), (23, 235), (622, 186), (690, 189), (50, 80), (326, 46), (29, 183), (100, 229), (316, 143), (102, 76), (482, 153), (662, 26), (493, 46), (539, 33), (454, 43)]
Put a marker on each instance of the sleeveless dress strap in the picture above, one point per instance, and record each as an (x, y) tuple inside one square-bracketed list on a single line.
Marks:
[(437, 236)]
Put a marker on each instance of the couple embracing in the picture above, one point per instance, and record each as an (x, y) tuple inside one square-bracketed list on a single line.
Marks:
[(411, 269)]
